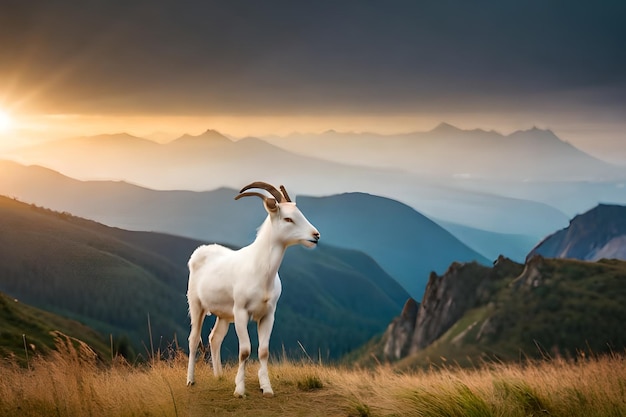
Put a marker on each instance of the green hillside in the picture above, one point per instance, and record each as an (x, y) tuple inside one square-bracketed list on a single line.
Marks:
[(21, 323), (82, 270), (569, 306), (112, 280)]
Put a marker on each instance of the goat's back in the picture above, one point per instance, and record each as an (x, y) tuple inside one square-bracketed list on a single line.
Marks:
[(205, 254)]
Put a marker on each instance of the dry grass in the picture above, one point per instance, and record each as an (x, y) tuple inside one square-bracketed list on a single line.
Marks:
[(74, 384)]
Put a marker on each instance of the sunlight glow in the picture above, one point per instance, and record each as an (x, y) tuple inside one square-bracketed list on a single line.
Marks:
[(5, 121)]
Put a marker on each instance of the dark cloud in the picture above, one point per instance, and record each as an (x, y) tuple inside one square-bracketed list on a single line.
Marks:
[(297, 56)]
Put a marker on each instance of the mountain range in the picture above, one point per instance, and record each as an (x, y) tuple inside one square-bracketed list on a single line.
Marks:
[(447, 151), (528, 165), (404, 242), (211, 160), (118, 281)]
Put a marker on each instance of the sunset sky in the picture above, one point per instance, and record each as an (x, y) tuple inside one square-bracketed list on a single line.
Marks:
[(260, 67)]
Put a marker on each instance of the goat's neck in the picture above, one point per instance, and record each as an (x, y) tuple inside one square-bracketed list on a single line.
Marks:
[(269, 252)]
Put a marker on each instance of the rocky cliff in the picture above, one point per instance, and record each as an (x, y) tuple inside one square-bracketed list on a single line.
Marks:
[(446, 299), (397, 338)]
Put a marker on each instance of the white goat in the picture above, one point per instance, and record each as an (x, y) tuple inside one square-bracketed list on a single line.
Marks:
[(237, 286)]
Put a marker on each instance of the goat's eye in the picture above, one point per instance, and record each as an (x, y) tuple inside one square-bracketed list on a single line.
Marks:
[(288, 219)]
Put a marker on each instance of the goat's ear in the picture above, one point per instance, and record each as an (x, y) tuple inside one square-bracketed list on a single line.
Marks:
[(270, 205)]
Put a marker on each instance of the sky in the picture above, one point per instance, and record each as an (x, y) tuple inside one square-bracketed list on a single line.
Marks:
[(262, 67)]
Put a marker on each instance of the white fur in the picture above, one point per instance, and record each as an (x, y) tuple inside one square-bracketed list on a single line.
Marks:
[(237, 286)]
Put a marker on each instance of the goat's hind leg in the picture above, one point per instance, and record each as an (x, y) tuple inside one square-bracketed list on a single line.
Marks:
[(220, 328), (197, 318)]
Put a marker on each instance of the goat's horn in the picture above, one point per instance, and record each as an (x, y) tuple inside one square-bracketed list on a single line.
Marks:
[(267, 187), (251, 194), (271, 203), (282, 190)]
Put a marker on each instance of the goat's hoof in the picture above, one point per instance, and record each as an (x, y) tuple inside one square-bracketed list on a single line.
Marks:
[(268, 394), (239, 394), (190, 383)]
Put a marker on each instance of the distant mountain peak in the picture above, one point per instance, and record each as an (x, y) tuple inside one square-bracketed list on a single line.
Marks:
[(444, 127), (537, 131), (537, 136), (209, 136), (212, 133)]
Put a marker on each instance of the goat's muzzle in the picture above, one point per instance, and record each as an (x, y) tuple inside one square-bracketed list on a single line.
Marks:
[(316, 238)]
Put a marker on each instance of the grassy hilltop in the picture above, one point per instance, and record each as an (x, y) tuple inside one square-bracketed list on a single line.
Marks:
[(70, 383)]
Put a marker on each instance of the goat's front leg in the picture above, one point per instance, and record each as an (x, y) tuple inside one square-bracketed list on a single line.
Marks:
[(265, 330), (241, 326)]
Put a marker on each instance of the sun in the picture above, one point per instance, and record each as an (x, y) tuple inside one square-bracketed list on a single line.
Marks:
[(5, 121)]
